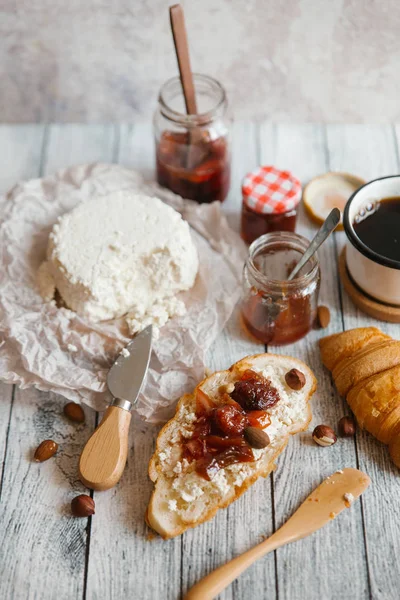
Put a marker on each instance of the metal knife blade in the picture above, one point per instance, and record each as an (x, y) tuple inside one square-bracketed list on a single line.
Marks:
[(126, 376)]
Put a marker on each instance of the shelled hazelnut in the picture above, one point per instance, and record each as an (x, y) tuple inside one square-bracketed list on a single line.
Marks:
[(295, 379), (82, 506), (226, 388), (324, 435), (347, 427)]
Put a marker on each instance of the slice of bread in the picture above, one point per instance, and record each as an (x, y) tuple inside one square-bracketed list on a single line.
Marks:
[(182, 498)]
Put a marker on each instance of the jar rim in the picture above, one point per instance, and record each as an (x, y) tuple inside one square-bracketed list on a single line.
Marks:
[(199, 118), (297, 242)]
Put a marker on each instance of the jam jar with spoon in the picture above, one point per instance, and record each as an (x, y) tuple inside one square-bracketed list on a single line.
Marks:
[(276, 310), (193, 150)]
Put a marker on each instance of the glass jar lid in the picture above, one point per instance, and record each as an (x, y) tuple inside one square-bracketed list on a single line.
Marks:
[(268, 190)]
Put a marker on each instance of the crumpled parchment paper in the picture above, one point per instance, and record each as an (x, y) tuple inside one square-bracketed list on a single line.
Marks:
[(34, 335)]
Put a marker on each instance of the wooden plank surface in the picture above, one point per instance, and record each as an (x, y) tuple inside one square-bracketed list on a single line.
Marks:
[(239, 527), (69, 145), (24, 142), (372, 151), (303, 465), (46, 554), (21, 153), (136, 148), (36, 497), (43, 549), (136, 565)]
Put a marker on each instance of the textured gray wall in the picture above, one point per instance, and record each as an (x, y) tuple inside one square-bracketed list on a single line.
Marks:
[(285, 60)]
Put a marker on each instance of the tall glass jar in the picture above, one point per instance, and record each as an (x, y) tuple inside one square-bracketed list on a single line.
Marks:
[(274, 310), (193, 151)]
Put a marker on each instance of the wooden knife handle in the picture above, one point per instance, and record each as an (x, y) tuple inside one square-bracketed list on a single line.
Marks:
[(103, 458)]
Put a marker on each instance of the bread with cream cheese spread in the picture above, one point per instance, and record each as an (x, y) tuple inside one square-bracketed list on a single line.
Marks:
[(182, 498)]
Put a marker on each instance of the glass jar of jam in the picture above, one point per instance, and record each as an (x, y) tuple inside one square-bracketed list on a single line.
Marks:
[(270, 199), (274, 310), (192, 151)]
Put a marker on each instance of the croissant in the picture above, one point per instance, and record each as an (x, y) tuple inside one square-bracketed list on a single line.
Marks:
[(365, 365)]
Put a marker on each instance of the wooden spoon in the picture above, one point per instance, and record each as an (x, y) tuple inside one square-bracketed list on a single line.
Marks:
[(182, 54), (324, 504), (196, 151)]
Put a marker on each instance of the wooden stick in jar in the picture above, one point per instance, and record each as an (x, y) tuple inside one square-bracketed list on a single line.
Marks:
[(182, 53), (197, 150)]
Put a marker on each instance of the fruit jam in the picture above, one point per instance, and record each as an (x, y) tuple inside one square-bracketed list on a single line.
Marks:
[(193, 166), (278, 323), (254, 224), (275, 310), (218, 438)]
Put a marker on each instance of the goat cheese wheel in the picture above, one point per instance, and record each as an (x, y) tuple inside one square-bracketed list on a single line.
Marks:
[(121, 254)]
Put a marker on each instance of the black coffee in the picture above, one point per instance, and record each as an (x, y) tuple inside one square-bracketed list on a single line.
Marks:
[(379, 228)]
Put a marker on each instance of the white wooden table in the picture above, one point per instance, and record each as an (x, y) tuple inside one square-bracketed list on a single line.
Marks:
[(46, 554)]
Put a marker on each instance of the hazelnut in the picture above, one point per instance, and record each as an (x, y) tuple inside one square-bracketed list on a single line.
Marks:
[(295, 379), (324, 435), (45, 450), (256, 438), (74, 412), (82, 506), (226, 388), (323, 316), (347, 427)]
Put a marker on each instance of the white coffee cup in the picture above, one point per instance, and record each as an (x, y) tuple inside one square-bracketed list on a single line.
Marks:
[(375, 274)]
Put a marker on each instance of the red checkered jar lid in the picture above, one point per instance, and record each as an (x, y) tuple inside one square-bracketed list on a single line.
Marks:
[(268, 190)]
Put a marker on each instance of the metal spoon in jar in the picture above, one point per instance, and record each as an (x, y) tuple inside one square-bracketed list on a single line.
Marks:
[(276, 305), (323, 232)]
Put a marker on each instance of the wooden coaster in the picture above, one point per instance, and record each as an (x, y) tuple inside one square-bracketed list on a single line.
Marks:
[(374, 308)]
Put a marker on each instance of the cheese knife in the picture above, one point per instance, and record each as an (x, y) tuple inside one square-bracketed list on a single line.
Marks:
[(103, 459)]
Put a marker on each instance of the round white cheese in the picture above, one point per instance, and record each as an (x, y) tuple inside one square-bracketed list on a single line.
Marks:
[(121, 253)]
